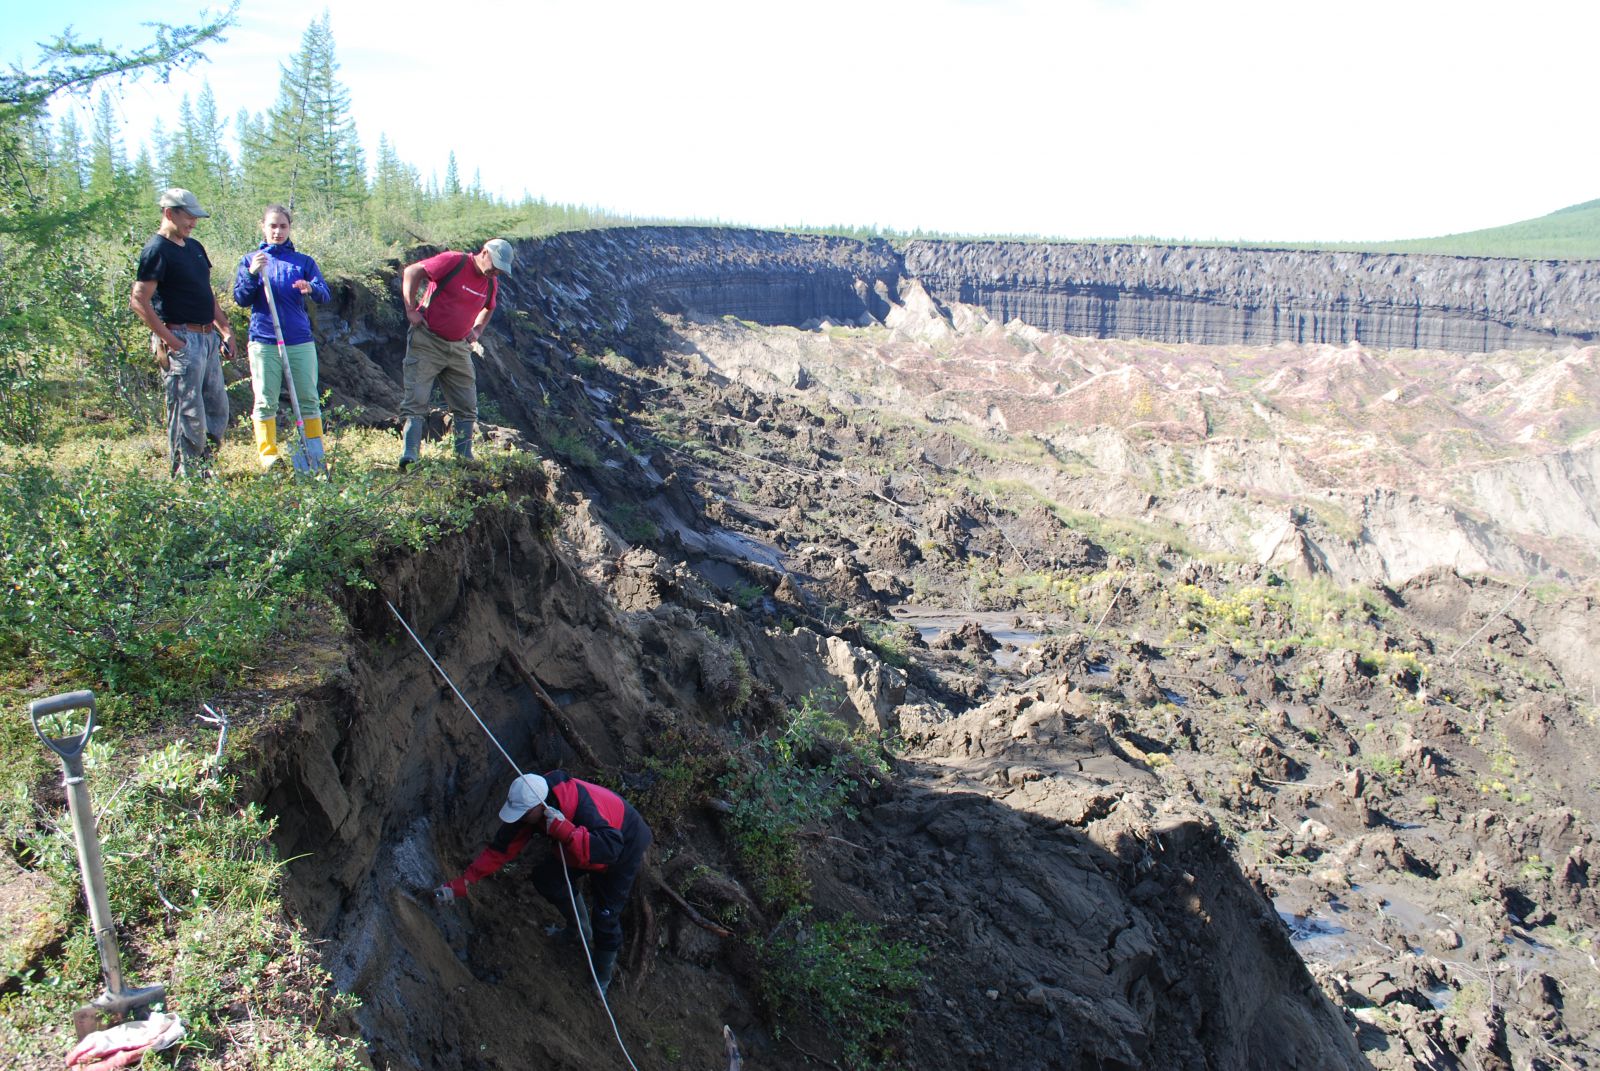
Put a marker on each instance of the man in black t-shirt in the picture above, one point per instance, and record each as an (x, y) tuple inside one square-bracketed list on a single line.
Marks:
[(189, 332)]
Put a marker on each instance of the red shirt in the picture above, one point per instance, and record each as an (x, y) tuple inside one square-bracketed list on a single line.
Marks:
[(451, 312)]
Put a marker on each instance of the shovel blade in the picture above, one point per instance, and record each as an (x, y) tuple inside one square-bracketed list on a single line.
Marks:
[(109, 1009)]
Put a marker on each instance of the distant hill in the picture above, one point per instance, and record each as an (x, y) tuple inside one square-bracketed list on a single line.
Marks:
[(1566, 234)]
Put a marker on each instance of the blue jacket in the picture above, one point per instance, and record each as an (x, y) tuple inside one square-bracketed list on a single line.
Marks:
[(283, 267)]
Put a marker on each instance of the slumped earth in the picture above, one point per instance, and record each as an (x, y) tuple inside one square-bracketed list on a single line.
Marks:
[(1246, 582), (1287, 759)]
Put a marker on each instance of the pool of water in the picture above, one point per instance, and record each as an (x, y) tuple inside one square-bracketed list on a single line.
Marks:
[(932, 623)]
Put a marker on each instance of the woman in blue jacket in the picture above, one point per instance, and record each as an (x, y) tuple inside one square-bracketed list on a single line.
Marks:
[(293, 277)]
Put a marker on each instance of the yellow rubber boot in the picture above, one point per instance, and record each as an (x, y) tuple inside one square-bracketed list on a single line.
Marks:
[(314, 444), (267, 442)]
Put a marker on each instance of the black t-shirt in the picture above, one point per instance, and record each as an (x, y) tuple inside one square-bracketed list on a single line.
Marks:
[(182, 274)]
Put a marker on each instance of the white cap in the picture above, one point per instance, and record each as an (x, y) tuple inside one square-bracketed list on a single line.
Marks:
[(527, 792)]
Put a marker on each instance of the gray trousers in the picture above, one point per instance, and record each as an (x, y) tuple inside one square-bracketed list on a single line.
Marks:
[(197, 399)]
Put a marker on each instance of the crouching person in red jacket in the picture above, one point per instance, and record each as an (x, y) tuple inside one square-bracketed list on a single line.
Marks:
[(599, 834)]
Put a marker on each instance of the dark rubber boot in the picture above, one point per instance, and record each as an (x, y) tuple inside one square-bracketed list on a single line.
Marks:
[(412, 438), (604, 964), (464, 431)]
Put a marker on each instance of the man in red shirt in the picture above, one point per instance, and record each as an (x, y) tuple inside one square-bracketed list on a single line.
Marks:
[(598, 833), (448, 301)]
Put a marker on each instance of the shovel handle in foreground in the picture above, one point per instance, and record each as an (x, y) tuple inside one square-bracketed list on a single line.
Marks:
[(68, 747), (117, 1001)]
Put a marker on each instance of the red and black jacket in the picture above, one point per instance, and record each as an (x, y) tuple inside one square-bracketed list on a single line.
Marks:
[(600, 832)]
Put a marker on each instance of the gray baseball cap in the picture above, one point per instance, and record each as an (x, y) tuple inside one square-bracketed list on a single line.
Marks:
[(501, 253), (178, 197)]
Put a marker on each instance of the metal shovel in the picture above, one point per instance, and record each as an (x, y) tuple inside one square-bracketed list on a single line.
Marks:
[(116, 1002)]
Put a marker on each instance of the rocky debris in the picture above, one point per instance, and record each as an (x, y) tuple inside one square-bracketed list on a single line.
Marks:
[(1358, 509), (1121, 929), (969, 637), (1058, 654), (641, 581), (1085, 836)]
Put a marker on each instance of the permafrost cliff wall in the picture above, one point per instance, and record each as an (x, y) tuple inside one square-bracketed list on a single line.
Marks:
[(1222, 296), (1163, 293)]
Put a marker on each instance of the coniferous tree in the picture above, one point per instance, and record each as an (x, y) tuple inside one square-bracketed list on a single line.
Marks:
[(452, 178), (253, 178), (176, 152), (311, 150), (141, 182), (161, 149), (108, 164), (71, 166), (207, 168), (70, 302), (396, 193)]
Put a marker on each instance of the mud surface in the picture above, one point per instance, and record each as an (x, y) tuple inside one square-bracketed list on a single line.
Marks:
[(1231, 769)]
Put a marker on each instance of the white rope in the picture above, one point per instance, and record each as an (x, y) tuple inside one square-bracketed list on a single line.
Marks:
[(572, 896), (452, 685), (594, 975)]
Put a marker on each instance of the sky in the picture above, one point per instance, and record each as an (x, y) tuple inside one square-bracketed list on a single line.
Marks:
[(1263, 120)]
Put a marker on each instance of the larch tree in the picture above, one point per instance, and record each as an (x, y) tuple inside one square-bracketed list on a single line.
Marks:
[(194, 156), (108, 163), (71, 170), (310, 154)]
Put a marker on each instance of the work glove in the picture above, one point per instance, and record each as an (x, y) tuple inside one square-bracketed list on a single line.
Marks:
[(451, 891), (556, 825)]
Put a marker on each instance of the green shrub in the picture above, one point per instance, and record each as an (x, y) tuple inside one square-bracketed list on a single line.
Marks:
[(746, 594), (142, 586), (889, 642), (194, 877), (633, 524), (1384, 765), (570, 447), (682, 772), (22, 398), (845, 975), (803, 775)]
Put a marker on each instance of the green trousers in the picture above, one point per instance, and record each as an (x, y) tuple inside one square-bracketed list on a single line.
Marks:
[(266, 374)]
